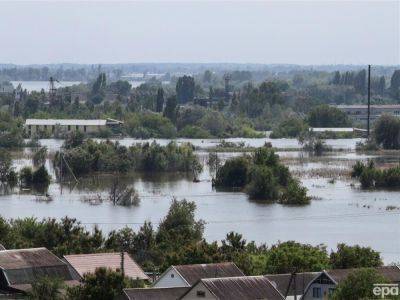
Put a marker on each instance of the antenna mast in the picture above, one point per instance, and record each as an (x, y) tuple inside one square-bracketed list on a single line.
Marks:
[(369, 100)]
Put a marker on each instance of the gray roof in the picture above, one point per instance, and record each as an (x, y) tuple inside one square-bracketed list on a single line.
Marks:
[(281, 282), (391, 273), (25, 266), (242, 288), (172, 293), (386, 106), (193, 273)]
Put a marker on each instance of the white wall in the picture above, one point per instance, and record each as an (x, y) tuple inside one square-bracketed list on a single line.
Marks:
[(171, 278), (192, 294), (324, 291)]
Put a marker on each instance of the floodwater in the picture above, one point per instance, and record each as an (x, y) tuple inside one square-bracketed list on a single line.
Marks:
[(339, 212), (37, 86)]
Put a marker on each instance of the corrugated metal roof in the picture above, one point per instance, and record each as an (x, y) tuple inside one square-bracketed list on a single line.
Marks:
[(65, 122), (88, 263), (281, 282), (241, 288), (28, 258), (391, 273), (193, 273), (172, 293)]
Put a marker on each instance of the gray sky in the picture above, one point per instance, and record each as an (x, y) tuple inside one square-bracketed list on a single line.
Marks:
[(314, 32)]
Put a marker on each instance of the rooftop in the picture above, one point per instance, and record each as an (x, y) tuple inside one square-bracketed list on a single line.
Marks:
[(386, 106), (171, 293), (281, 282), (391, 273), (88, 263), (193, 273), (245, 287)]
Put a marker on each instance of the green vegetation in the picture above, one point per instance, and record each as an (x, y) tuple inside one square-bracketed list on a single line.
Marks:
[(177, 240), (262, 177), (289, 128), (91, 156), (372, 177), (104, 284), (47, 288), (387, 132), (327, 116), (358, 285)]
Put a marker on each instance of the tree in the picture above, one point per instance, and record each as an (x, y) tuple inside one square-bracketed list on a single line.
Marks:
[(185, 89), (103, 284), (387, 132), (292, 256), (360, 82), (180, 226), (262, 184), (170, 110), (41, 176), (160, 100), (234, 173), (47, 288), (347, 257), (327, 116), (207, 76), (359, 284), (5, 165), (336, 78), (395, 85)]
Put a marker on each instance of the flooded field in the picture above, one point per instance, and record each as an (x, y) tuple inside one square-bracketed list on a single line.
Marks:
[(339, 212)]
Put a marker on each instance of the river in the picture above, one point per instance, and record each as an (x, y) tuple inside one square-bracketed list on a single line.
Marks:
[(339, 212)]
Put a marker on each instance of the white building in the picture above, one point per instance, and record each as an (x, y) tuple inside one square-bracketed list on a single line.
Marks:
[(53, 126), (187, 275)]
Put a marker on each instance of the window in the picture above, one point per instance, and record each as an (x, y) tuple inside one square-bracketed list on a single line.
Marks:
[(172, 275), (77, 127), (201, 293), (316, 292), (45, 127), (53, 128), (69, 127), (29, 127), (84, 128)]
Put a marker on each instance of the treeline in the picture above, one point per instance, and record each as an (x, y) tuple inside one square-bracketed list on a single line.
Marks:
[(87, 156), (179, 239), (372, 177)]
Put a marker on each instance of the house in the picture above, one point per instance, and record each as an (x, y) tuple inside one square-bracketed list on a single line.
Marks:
[(359, 113), (325, 283), (56, 126), (234, 288), (81, 264), (172, 293), (290, 285), (187, 275), (19, 269)]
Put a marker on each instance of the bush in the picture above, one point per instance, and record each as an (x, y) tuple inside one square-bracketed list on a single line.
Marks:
[(26, 176), (347, 257), (295, 194), (387, 132), (262, 184), (371, 177), (194, 132), (289, 128), (40, 176), (327, 116), (234, 173)]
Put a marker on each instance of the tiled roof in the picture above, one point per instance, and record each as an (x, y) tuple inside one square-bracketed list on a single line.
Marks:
[(239, 288), (281, 282), (88, 263), (193, 273), (171, 293)]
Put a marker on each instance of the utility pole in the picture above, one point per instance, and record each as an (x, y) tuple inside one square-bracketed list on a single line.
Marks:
[(369, 100)]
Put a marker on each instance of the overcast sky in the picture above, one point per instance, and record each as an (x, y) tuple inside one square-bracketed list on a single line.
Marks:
[(314, 32)]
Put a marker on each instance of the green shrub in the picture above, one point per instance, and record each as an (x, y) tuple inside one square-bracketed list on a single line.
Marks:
[(26, 176), (295, 194), (194, 132), (262, 184), (41, 176), (234, 173)]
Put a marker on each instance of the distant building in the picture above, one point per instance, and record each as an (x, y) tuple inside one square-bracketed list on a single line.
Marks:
[(187, 275), (323, 285), (172, 293), (359, 113), (21, 268), (88, 263), (234, 288), (53, 126)]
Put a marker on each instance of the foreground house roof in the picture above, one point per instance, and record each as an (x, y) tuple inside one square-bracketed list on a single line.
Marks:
[(88, 263), (391, 273), (193, 273), (172, 293), (22, 267), (240, 288), (281, 282)]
